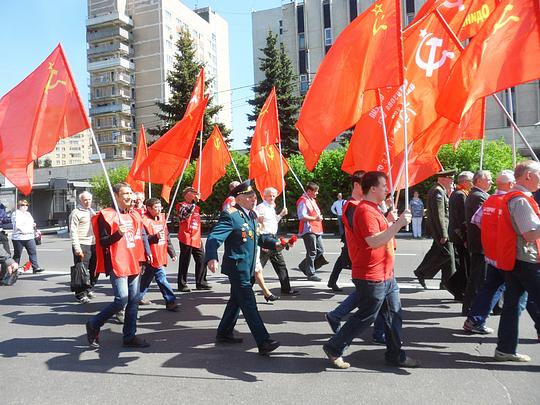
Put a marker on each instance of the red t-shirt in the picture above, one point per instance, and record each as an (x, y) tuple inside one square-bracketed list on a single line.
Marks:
[(368, 263)]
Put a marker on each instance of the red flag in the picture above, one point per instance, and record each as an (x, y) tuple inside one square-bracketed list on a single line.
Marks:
[(142, 154), (266, 133), (167, 155), (477, 14), (272, 177), (196, 96), (503, 54), (215, 158), (44, 108), (367, 55)]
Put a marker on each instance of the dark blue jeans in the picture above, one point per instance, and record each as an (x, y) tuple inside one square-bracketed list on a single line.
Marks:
[(524, 277), (30, 246), (373, 297), (161, 280), (488, 296), (126, 294), (242, 298), (348, 305)]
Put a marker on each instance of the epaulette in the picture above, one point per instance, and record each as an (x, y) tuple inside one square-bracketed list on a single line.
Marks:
[(230, 210)]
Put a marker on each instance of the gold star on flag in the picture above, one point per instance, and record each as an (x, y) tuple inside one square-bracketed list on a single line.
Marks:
[(377, 9)]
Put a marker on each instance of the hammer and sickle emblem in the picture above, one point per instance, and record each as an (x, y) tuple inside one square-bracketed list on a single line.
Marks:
[(270, 152), (376, 26), (216, 143), (454, 4), (431, 65), (505, 20), (264, 110), (53, 72)]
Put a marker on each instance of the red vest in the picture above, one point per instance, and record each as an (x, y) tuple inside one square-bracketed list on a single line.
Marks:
[(491, 213), (348, 227), (128, 252), (159, 250), (189, 230), (506, 235), (312, 211)]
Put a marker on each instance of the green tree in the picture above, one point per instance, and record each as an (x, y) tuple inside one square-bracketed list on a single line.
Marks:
[(181, 80), (278, 73), (100, 190)]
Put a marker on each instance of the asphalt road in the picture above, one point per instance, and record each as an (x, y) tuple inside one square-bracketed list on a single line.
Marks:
[(44, 358)]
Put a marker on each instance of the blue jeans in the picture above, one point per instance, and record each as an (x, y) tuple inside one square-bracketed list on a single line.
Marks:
[(340, 225), (348, 305), (30, 246), (160, 276), (126, 294), (314, 249), (524, 277), (488, 296), (373, 297)]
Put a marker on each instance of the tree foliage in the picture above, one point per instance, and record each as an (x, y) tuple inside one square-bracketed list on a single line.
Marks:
[(181, 80), (100, 190), (279, 73)]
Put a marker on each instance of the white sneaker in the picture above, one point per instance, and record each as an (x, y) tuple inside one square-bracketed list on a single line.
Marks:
[(522, 358), (336, 361)]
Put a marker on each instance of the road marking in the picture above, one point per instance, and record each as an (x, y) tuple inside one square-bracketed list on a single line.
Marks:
[(406, 254), (49, 250)]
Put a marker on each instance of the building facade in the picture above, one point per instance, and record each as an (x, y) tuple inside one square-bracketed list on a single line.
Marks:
[(131, 48), (308, 28), (75, 150)]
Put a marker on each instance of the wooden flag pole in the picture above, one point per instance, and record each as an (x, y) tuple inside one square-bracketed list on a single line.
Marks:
[(406, 149), (386, 146), (236, 169), (482, 152), (98, 151), (171, 205), (296, 178)]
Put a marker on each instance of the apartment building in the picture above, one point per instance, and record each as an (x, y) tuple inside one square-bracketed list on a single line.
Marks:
[(131, 47), (74, 150)]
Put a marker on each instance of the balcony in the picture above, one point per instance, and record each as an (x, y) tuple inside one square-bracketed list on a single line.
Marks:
[(109, 49), (110, 108), (121, 140), (106, 79), (124, 94), (112, 18), (110, 63), (108, 34)]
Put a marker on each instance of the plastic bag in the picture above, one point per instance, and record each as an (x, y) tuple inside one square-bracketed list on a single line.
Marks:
[(37, 236), (80, 278)]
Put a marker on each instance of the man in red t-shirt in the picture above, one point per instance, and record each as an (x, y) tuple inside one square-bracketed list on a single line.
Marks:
[(372, 254)]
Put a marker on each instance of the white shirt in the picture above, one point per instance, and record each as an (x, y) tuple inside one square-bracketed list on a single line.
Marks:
[(337, 207), (270, 218), (23, 225)]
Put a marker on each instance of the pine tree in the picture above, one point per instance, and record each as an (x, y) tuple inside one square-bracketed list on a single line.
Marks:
[(279, 73), (181, 80)]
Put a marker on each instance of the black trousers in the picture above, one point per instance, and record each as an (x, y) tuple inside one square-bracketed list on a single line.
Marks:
[(342, 262), (477, 276), (278, 263), (438, 258), (89, 259), (186, 252), (458, 282)]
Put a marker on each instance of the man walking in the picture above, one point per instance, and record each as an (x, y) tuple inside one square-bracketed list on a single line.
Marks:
[(310, 228), (189, 236), (237, 229), (270, 220), (83, 242), (337, 210), (372, 254)]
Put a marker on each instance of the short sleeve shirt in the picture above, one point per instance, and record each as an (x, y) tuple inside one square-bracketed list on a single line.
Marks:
[(368, 263)]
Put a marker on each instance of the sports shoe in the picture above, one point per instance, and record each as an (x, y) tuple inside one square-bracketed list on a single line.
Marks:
[(92, 335), (522, 358), (336, 361), (119, 316), (314, 278), (90, 294), (470, 327), (136, 342), (407, 362), (334, 323), (84, 299), (379, 340), (145, 301), (171, 306)]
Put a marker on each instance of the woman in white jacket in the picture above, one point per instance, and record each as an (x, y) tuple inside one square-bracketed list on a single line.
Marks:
[(23, 235)]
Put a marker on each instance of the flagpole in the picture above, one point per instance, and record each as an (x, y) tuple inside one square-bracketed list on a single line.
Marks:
[(296, 178), (386, 146), (236, 168), (282, 175), (482, 153), (171, 205), (98, 151), (514, 125), (200, 162), (406, 148), (511, 103)]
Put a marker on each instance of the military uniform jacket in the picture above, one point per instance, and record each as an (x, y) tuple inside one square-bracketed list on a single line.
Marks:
[(474, 200), (457, 225), (239, 233), (437, 212)]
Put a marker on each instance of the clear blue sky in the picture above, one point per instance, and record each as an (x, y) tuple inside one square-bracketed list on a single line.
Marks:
[(30, 30)]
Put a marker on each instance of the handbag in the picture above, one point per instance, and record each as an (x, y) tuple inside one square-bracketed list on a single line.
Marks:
[(37, 236), (80, 278), (8, 279)]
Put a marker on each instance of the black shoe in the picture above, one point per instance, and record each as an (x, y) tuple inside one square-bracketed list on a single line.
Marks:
[(314, 278), (184, 289), (405, 363), (92, 335), (300, 269), (136, 342), (228, 339), (334, 287), (38, 270), (291, 292), (268, 346), (421, 280), (442, 286), (271, 298), (171, 306), (203, 287)]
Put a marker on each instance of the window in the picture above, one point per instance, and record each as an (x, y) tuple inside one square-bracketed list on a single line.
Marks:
[(300, 18), (353, 10), (304, 84), (301, 41), (328, 36), (326, 14), (303, 61)]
